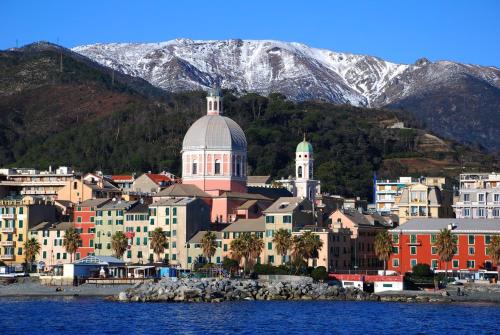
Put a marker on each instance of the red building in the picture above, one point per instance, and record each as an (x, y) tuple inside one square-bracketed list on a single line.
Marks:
[(84, 216), (414, 242)]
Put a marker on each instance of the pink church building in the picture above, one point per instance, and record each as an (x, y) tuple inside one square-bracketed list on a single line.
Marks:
[(214, 159)]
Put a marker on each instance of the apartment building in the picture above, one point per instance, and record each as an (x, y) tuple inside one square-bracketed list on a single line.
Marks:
[(85, 224), (50, 236), (290, 213), (194, 250), (137, 229), (180, 219), (33, 182), (109, 219), (479, 196), (17, 216), (414, 243)]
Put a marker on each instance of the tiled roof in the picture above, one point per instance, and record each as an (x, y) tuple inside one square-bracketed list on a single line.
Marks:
[(173, 202), (270, 192), (158, 178), (94, 202), (53, 226), (247, 225), (258, 179), (140, 208), (486, 226), (199, 235), (285, 205), (122, 178), (182, 190)]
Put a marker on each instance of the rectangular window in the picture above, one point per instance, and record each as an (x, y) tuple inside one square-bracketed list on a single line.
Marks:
[(138, 229), (145, 240), (434, 250), (174, 220), (129, 253), (21, 210), (413, 250), (58, 255), (145, 229), (139, 254), (487, 239), (44, 254), (434, 263), (466, 212), (79, 219), (174, 245), (413, 262), (395, 262), (472, 251), (138, 241), (395, 250), (190, 259), (269, 246), (21, 223), (64, 255), (174, 211), (174, 232), (466, 197), (413, 239), (270, 259), (91, 243), (496, 198), (433, 238), (480, 212), (167, 221), (269, 219), (395, 238), (174, 257), (455, 263), (45, 242), (225, 247), (471, 264), (167, 211), (287, 219), (480, 197), (20, 237), (471, 239)]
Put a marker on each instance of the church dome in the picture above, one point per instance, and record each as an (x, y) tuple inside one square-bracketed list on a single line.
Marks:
[(214, 132), (304, 146)]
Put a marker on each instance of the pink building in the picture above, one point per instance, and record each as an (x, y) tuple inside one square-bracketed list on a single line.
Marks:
[(50, 236)]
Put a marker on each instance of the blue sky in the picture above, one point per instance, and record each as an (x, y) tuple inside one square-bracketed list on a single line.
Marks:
[(400, 31)]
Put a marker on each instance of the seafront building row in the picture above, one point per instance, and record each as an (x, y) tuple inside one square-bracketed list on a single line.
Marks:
[(215, 194)]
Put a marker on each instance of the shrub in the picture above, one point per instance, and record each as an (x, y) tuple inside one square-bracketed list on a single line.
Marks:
[(319, 273), (422, 270)]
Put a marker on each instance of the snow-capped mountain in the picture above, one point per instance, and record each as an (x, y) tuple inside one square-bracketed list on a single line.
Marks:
[(439, 93)]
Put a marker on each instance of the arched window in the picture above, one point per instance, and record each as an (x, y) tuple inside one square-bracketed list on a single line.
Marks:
[(238, 166), (217, 167), (194, 170), (299, 172), (210, 105), (215, 105)]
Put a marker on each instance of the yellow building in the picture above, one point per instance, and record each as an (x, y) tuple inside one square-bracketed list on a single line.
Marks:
[(180, 219), (423, 201), (194, 250), (17, 216)]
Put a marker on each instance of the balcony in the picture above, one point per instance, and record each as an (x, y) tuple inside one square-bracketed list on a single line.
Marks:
[(9, 216), (7, 257), (7, 243), (7, 230)]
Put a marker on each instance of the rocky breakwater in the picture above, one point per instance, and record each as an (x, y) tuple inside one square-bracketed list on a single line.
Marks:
[(218, 290)]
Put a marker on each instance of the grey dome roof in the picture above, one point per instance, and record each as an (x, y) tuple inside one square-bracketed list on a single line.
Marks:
[(215, 132)]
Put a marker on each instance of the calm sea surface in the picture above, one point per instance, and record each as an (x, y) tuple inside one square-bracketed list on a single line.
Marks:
[(97, 316)]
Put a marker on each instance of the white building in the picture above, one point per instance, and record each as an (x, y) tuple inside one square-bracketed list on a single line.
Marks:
[(479, 196)]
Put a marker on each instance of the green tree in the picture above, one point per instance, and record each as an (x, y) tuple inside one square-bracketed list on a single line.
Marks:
[(283, 242), (32, 248), (71, 241), (209, 245), (119, 243), (383, 247), (446, 245), (493, 251), (312, 245), (157, 242)]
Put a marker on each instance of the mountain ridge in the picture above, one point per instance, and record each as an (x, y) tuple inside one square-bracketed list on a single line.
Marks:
[(304, 73)]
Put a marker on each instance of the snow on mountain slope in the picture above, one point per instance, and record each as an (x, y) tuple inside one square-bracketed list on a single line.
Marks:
[(293, 69)]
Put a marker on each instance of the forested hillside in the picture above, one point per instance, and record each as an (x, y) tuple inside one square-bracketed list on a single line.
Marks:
[(84, 117)]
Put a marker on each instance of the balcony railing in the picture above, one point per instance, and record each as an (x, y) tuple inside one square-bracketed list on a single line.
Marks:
[(9, 216), (7, 257), (7, 243), (7, 230)]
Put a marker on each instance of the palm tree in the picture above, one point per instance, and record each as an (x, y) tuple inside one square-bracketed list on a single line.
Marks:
[(71, 241), (493, 251), (32, 248), (446, 246), (298, 249), (237, 249), (158, 241), (383, 247), (283, 242), (255, 245), (209, 245), (119, 243), (312, 244)]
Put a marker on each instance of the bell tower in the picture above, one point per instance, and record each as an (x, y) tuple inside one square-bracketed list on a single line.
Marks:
[(214, 102), (305, 185)]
